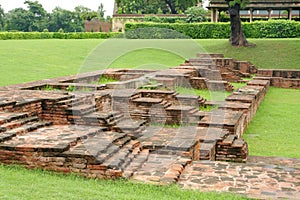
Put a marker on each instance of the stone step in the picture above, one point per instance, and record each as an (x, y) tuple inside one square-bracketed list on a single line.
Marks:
[(116, 161), (116, 154), (18, 123), (99, 147), (81, 110), (161, 169), (103, 119), (130, 126), (72, 102), (6, 117), (28, 127), (137, 162)]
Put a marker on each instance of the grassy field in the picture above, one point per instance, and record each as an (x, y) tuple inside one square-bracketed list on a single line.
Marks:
[(19, 183), (29, 60), (274, 130)]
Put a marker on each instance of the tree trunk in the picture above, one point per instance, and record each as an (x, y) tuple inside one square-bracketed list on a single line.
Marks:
[(237, 37), (171, 6)]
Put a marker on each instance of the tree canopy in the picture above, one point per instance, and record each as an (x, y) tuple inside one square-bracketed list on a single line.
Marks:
[(36, 18), (154, 6)]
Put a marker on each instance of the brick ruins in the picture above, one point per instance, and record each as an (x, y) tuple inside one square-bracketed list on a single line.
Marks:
[(137, 127)]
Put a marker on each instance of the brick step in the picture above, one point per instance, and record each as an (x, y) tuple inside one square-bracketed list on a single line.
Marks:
[(51, 102), (137, 162), (74, 102), (196, 116), (99, 147), (28, 127), (18, 123), (103, 119), (81, 110), (121, 159), (161, 169), (109, 156), (6, 117), (131, 127), (232, 149), (214, 55)]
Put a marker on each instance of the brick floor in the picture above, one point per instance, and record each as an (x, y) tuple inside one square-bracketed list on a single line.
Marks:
[(263, 178)]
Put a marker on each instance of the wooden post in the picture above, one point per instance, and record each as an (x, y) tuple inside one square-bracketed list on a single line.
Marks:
[(290, 11), (269, 13), (251, 14), (212, 15)]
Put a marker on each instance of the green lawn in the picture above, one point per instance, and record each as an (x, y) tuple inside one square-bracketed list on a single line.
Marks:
[(268, 54), (274, 130), (29, 60), (19, 183)]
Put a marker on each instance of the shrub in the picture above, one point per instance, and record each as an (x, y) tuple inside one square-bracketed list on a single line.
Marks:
[(56, 35), (259, 29), (196, 14)]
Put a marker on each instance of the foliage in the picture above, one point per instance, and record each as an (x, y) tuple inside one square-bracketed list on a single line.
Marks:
[(106, 79), (272, 29), (178, 30), (35, 18), (66, 20), (56, 35), (156, 19), (261, 29), (2, 15), (196, 14), (208, 95), (154, 6), (242, 3)]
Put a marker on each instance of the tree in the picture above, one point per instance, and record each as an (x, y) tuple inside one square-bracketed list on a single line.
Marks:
[(237, 37), (65, 20), (154, 6), (2, 17), (86, 13), (101, 11), (18, 19), (38, 16)]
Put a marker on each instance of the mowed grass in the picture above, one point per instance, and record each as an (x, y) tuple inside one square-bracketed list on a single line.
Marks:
[(274, 130), (30, 60), (147, 59), (19, 183), (268, 53)]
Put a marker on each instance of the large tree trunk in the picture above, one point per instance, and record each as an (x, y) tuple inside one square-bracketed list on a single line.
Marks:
[(171, 6), (237, 37)]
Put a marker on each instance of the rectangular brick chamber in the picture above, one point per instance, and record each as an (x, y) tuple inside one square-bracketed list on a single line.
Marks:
[(122, 130)]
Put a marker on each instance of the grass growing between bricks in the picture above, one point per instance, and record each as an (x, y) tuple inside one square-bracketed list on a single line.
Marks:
[(274, 130), (19, 183), (208, 95)]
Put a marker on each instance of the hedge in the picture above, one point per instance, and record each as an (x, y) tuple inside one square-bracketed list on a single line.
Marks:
[(56, 35), (258, 29)]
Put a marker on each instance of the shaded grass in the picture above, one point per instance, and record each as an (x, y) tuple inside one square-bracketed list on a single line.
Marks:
[(19, 183), (274, 130)]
